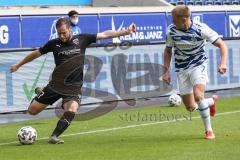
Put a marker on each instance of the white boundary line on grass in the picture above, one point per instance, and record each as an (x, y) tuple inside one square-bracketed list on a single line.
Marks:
[(126, 127)]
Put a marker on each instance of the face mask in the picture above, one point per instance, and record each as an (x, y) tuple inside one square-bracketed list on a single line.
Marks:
[(74, 21)]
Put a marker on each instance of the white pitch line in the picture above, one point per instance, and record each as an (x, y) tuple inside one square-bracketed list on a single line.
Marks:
[(126, 127)]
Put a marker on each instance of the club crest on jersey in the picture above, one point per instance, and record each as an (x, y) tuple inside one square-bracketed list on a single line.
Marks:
[(76, 41), (193, 38)]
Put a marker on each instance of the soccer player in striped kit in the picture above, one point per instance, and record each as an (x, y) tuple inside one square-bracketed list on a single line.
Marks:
[(188, 39)]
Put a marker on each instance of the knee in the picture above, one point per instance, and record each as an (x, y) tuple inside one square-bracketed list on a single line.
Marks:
[(198, 97), (32, 111), (71, 106), (36, 107), (190, 108)]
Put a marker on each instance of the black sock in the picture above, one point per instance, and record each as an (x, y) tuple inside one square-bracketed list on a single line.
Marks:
[(63, 123)]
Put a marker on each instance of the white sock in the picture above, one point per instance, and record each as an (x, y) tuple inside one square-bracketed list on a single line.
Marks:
[(205, 114), (210, 101)]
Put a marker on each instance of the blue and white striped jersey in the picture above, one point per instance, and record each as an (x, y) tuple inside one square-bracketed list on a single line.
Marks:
[(189, 46)]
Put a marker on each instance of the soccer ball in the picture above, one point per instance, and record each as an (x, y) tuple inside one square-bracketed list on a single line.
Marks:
[(27, 135), (174, 100)]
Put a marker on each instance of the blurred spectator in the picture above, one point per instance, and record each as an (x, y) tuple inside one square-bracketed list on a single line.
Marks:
[(73, 16)]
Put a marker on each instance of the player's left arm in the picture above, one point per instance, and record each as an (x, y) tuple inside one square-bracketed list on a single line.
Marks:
[(112, 33), (224, 54), (213, 37)]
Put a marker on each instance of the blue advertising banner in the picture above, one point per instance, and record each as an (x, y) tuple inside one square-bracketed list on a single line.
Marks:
[(9, 32), (233, 24), (88, 23), (169, 19), (44, 2), (215, 20), (37, 30), (150, 27)]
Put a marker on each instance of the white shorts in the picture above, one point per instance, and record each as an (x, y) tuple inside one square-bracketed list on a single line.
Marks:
[(189, 78)]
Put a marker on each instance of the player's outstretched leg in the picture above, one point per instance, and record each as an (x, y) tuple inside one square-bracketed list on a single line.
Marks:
[(62, 125), (213, 107), (212, 104), (55, 140)]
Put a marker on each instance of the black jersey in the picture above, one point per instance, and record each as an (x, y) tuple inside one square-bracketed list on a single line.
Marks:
[(69, 60), (62, 51)]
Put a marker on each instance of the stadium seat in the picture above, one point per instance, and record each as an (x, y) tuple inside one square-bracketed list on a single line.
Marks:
[(180, 2), (173, 2), (198, 2), (226, 2), (189, 2), (208, 2), (235, 2), (217, 2)]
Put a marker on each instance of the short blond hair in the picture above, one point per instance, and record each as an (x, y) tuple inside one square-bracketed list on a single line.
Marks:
[(181, 11)]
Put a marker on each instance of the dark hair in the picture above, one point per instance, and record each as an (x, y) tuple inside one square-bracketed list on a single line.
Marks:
[(72, 12), (61, 21)]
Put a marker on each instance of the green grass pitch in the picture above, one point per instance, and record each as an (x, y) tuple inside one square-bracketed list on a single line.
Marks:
[(148, 133)]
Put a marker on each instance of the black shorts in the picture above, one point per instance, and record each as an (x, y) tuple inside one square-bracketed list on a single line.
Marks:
[(48, 96)]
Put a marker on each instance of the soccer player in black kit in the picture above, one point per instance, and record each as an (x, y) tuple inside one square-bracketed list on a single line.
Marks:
[(65, 49)]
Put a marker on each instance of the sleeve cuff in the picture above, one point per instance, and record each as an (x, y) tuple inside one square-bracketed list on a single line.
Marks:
[(215, 40)]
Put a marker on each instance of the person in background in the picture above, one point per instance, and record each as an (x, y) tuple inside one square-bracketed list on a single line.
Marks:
[(73, 17)]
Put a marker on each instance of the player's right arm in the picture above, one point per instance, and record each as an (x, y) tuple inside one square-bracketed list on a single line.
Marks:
[(168, 56), (167, 61), (33, 55)]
